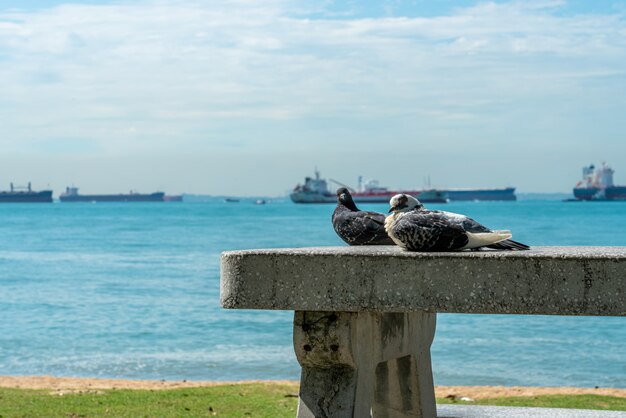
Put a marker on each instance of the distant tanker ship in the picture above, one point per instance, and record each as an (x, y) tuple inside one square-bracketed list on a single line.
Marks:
[(315, 190), (71, 195), (25, 195), (597, 184)]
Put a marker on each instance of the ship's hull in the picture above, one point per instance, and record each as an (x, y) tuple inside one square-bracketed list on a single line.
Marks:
[(615, 193), (134, 197), (312, 197), (506, 194), (44, 196), (426, 196), (595, 193)]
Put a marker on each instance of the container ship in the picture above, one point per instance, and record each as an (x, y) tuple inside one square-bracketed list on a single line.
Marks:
[(597, 184), (315, 190), (71, 195), (25, 195)]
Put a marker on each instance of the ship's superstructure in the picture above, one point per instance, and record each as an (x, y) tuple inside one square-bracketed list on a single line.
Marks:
[(26, 194), (314, 190), (71, 195), (597, 184)]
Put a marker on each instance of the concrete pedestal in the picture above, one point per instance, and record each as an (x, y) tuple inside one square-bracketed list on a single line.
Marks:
[(354, 363)]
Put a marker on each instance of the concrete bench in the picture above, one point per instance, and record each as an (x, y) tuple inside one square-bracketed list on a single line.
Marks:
[(365, 316)]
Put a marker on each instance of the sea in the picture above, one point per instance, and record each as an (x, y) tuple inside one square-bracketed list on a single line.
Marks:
[(131, 290)]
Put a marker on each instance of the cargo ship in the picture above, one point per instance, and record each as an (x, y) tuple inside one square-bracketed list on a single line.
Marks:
[(25, 195), (597, 184), (71, 195), (315, 190)]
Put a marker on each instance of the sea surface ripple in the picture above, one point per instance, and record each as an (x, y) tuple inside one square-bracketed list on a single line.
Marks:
[(132, 291)]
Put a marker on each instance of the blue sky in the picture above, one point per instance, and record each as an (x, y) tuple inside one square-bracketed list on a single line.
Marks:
[(245, 97)]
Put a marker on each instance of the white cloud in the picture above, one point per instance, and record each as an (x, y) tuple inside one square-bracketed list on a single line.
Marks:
[(164, 76)]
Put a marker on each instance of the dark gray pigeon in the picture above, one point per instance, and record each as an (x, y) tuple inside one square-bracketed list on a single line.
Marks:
[(358, 227), (416, 228)]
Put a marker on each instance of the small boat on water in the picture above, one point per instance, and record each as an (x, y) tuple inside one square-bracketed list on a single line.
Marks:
[(315, 190)]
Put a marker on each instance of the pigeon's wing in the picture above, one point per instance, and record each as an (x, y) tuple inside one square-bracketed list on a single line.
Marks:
[(361, 228), (473, 227), (374, 223), (509, 244), (467, 223), (429, 231), (373, 220)]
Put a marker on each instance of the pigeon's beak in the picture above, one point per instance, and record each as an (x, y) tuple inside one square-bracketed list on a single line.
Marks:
[(397, 208)]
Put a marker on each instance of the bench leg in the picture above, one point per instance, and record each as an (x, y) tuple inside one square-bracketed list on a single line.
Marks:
[(335, 392), (359, 363), (404, 388)]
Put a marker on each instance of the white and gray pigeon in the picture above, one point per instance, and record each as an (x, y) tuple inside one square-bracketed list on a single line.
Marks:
[(358, 227), (416, 228)]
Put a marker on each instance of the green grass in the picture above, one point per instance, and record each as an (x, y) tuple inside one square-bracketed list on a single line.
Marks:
[(246, 400), (611, 403), (241, 400)]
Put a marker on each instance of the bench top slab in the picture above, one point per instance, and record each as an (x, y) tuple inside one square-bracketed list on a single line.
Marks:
[(544, 280)]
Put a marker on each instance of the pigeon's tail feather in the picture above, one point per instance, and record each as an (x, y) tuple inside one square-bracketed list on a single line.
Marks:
[(509, 244), (483, 239)]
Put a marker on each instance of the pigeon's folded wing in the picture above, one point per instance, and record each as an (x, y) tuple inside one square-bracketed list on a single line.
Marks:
[(374, 221), (468, 224), (429, 231)]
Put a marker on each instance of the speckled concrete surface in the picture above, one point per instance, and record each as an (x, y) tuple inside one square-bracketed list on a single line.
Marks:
[(545, 280), (471, 411)]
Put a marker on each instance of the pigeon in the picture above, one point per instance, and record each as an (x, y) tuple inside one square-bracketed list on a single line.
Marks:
[(358, 227), (416, 228)]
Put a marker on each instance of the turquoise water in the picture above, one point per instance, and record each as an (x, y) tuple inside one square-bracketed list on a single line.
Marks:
[(132, 291)]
